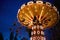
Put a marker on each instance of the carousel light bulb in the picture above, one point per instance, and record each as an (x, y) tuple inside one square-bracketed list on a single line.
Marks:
[(38, 38), (29, 3), (39, 2), (37, 26), (42, 33), (55, 8), (43, 38), (48, 4), (41, 27), (34, 38), (31, 38), (34, 32), (34, 27), (38, 32), (22, 6)]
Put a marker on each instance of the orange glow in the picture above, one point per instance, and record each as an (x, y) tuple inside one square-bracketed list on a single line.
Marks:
[(44, 13)]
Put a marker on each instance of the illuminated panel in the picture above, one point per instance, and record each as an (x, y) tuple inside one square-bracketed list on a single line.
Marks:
[(45, 13)]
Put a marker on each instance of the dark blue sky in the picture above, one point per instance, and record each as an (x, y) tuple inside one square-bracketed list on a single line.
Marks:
[(8, 13)]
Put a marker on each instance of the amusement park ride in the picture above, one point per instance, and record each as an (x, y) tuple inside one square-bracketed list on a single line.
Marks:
[(38, 15)]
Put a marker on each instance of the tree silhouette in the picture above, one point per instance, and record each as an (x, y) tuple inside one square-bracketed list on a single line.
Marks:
[(6, 39), (56, 32), (15, 38), (24, 38), (1, 36), (11, 36), (29, 31)]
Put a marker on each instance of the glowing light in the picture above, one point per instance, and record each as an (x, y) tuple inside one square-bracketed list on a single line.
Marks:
[(34, 27), (34, 32), (37, 26), (29, 3), (22, 6), (48, 4), (38, 32), (55, 8), (42, 33), (39, 2), (41, 27)]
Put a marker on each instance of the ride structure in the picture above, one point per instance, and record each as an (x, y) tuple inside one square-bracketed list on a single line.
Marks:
[(38, 15)]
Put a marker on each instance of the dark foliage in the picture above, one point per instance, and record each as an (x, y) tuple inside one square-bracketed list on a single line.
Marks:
[(1, 36), (11, 36), (24, 38), (15, 38), (56, 32), (29, 31)]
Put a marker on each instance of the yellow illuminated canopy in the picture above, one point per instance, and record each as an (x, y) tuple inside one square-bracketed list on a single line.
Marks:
[(38, 13)]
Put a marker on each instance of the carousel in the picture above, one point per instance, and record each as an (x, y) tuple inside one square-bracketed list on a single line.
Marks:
[(37, 16)]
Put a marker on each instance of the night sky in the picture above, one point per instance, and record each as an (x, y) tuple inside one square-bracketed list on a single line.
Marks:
[(8, 16)]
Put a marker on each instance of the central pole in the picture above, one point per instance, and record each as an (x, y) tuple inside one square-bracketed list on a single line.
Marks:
[(37, 33)]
